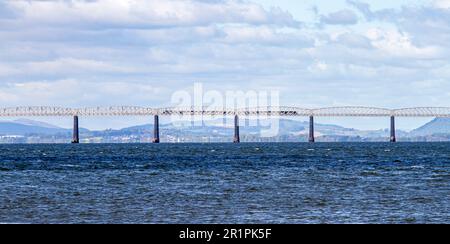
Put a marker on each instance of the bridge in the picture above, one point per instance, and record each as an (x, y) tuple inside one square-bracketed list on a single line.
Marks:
[(349, 111)]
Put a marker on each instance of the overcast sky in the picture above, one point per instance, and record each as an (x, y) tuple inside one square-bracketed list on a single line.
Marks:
[(138, 52)]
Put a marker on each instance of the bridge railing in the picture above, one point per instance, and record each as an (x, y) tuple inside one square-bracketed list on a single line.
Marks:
[(423, 112), (350, 111)]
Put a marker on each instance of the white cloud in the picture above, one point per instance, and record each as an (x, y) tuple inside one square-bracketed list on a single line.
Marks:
[(342, 17), (394, 43), (70, 66), (71, 92), (353, 40), (318, 67), (6, 70), (264, 35), (147, 13), (442, 3), (426, 25)]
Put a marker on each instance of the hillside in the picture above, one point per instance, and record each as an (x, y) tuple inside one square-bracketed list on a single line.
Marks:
[(434, 127)]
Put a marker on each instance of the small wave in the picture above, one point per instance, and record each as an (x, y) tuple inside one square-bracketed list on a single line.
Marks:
[(252, 189), (410, 220), (29, 186), (417, 167), (370, 173), (13, 223), (70, 165)]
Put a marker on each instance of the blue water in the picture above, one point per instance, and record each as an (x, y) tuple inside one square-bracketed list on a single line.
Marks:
[(226, 183)]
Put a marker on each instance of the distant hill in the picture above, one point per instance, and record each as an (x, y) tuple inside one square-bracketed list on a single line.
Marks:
[(13, 128), (214, 128), (434, 127), (35, 123), (23, 127), (217, 131), (286, 127)]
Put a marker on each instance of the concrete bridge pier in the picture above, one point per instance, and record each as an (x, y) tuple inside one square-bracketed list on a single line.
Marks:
[(393, 137), (237, 138), (311, 129), (76, 133), (156, 130)]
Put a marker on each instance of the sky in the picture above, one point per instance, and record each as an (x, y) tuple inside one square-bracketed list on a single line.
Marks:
[(78, 53)]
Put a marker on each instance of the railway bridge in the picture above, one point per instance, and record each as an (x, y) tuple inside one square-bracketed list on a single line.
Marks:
[(350, 111)]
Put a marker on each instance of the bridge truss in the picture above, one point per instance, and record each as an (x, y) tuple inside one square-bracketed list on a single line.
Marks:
[(354, 111)]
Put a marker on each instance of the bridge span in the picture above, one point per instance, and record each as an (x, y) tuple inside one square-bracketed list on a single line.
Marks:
[(349, 111)]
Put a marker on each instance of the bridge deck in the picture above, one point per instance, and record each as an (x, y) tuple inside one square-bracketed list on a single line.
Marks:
[(266, 111)]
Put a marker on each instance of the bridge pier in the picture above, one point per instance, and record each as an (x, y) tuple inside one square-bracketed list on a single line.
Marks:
[(311, 130), (156, 130), (393, 137), (76, 133), (237, 138)]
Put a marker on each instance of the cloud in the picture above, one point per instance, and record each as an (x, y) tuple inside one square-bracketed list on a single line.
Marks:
[(354, 40), (342, 17), (425, 24), (395, 43), (265, 35), (72, 92), (441, 3), (89, 53), (363, 7), (146, 13), (5, 11), (70, 66), (6, 70)]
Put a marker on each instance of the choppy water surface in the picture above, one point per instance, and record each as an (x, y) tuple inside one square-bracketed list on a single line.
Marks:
[(226, 183)]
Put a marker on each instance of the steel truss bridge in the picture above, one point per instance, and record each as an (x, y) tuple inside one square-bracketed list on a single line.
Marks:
[(248, 112), (260, 111)]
